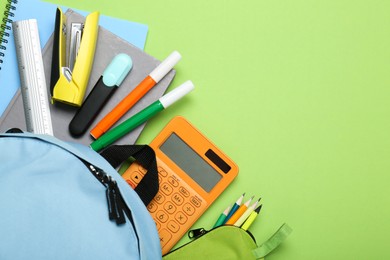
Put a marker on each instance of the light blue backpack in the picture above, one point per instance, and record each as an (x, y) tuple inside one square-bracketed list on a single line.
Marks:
[(65, 201)]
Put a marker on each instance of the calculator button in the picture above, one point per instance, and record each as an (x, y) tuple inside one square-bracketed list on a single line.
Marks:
[(196, 202), (165, 236), (180, 217), (188, 209), (172, 181), (142, 169), (177, 199), (166, 188), (162, 171), (158, 225), (169, 207), (152, 207), (173, 226), (131, 183), (184, 192), (162, 216), (159, 198), (136, 177)]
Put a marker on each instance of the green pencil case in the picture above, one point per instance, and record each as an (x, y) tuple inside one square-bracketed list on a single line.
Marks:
[(227, 242)]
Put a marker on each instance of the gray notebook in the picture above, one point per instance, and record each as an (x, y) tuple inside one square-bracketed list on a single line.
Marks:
[(108, 46)]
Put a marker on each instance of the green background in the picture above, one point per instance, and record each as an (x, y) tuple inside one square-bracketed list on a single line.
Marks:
[(297, 93)]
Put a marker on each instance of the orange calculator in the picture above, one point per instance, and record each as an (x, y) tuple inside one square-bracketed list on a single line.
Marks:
[(192, 171)]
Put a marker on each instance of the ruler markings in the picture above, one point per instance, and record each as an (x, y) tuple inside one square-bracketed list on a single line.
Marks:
[(34, 89)]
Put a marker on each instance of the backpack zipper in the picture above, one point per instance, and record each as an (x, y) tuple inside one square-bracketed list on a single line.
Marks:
[(113, 195), (117, 207)]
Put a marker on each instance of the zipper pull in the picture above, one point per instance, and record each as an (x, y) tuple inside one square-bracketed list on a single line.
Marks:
[(111, 202), (120, 216), (116, 205), (115, 202), (195, 233)]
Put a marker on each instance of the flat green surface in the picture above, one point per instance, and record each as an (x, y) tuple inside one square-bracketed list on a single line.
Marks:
[(297, 93)]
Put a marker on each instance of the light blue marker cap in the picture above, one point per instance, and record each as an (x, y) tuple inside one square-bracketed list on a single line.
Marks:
[(117, 70)]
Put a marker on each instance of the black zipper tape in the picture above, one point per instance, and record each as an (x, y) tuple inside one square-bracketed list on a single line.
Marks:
[(196, 233)]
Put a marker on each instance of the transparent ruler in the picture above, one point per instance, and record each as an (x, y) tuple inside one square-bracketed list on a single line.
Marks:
[(32, 77)]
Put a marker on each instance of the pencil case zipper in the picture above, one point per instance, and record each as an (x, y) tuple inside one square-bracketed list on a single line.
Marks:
[(195, 234)]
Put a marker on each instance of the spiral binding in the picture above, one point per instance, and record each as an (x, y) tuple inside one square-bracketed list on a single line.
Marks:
[(5, 27)]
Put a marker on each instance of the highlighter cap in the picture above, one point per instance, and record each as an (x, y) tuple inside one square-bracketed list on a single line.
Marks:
[(117, 70), (176, 94), (165, 66)]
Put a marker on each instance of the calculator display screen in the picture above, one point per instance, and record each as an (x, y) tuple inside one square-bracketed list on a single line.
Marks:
[(190, 162)]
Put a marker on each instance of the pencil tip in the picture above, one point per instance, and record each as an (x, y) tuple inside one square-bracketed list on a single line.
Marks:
[(226, 211), (258, 208)]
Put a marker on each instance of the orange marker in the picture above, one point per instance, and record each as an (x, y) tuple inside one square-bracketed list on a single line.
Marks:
[(129, 101), (239, 212)]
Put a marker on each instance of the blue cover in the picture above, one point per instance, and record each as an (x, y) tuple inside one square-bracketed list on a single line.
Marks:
[(53, 207)]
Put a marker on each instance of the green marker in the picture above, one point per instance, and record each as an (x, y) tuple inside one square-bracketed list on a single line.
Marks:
[(142, 116)]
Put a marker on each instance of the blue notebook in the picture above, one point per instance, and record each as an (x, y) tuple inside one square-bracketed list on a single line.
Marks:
[(44, 13)]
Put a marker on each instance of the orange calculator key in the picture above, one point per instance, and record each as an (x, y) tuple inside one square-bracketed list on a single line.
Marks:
[(172, 181), (136, 177), (177, 199), (166, 188), (152, 207), (165, 236), (196, 202), (188, 209), (159, 198), (132, 184), (158, 225), (169, 207), (141, 169), (162, 172), (180, 217), (162, 216), (184, 192), (173, 226)]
